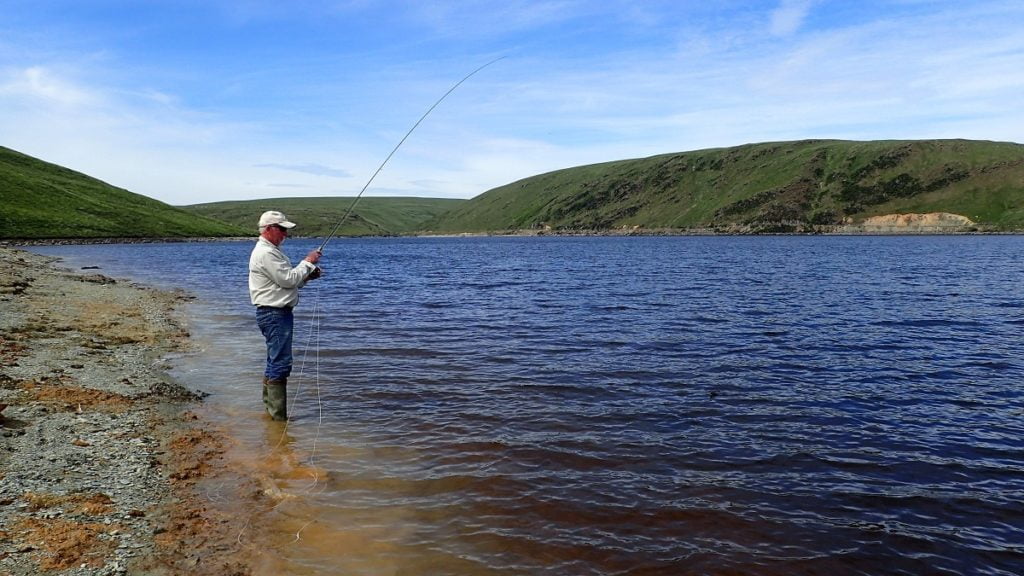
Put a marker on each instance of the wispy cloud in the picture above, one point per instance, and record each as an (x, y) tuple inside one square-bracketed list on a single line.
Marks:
[(315, 169), (789, 16), (238, 110), (42, 86), (286, 185)]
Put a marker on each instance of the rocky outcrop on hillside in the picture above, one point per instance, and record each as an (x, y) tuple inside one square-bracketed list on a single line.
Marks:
[(802, 187), (930, 223)]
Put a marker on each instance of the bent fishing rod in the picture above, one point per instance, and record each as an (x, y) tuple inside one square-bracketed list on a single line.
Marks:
[(395, 149)]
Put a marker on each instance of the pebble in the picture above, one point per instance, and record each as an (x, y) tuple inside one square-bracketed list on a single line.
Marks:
[(38, 455)]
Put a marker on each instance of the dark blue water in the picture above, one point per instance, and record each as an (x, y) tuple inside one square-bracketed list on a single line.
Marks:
[(693, 405)]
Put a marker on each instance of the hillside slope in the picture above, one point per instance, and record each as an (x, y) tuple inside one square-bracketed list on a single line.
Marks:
[(44, 201), (770, 187), (317, 216)]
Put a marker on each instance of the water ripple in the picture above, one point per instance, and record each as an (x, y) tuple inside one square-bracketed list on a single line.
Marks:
[(642, 406)]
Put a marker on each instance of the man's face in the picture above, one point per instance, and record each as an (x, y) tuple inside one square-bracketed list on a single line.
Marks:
[(276, 234)]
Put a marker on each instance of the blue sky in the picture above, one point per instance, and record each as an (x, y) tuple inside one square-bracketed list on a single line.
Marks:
[(205, 100)]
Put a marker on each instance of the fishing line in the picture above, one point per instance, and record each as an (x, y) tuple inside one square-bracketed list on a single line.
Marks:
[(314, 329), (315, 320), (316, 309), (395, 149)]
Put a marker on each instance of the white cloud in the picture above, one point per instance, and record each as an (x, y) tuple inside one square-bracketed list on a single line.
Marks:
[(130, 140), (789, 16), (309, 168), (37, 83), (323, 124), (488, 18)]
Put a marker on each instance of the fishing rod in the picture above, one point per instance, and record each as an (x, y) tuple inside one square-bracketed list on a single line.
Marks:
[(395, 149)]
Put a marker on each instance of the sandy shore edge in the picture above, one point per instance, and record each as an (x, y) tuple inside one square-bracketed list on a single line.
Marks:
[(101, 460)]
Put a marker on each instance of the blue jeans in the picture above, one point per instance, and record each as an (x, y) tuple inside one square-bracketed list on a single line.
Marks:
[(276, 325)]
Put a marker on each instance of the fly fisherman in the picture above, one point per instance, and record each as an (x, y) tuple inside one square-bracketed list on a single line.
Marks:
[(274, 290)]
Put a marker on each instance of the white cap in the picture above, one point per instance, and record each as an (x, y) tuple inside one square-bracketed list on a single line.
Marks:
[(272, 217)]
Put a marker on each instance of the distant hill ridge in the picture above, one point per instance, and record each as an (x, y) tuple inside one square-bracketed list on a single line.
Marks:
[(372, 216), (801, 186), (45, 201)]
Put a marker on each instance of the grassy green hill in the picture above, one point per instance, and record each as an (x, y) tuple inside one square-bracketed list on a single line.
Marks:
[(803, 186), (317, 216), (768, 187), (42, 200)]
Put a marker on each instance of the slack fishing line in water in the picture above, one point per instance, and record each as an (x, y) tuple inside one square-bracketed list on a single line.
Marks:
[(395, 149), (314, 327)]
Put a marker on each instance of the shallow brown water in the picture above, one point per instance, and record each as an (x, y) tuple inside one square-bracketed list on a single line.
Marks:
[(603, 406)]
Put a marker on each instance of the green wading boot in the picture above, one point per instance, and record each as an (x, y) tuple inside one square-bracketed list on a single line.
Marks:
[(277, 398), (265, 380)]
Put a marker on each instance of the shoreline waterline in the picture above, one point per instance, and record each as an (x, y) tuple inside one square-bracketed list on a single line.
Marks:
[(594, 406), (635, 231), (106, 462)]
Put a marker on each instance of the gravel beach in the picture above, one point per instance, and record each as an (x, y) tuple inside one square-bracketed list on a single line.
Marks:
[(102, 462)]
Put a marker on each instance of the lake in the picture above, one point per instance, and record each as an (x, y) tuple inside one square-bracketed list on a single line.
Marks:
[(613, 406)]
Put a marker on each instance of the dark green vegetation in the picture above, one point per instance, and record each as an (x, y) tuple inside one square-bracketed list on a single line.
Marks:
[(800, 186), (806, 186), (42, 200), (317, 216), (45, 201)]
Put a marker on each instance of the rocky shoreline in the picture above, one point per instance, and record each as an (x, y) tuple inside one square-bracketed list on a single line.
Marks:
[(900, 224), (101, 460), (15, 242)]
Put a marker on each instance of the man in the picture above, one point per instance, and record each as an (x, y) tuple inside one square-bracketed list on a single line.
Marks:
[(274, 290)]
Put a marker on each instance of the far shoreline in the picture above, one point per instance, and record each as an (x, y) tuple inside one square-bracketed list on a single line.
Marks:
[(615, 233)]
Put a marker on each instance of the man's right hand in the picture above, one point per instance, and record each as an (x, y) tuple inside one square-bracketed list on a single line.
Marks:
[(313, 257)]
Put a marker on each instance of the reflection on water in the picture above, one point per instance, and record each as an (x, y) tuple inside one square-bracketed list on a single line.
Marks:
[(629, 405)]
